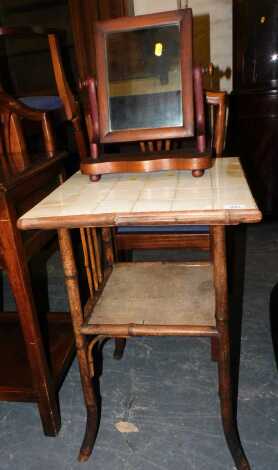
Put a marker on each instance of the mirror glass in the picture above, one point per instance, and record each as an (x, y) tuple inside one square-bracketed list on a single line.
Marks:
[(144, 78)]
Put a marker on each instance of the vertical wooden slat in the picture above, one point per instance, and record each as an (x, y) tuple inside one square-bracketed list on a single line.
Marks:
[(48, 136), (167, 145), (97, 255), (87, 261), (92, 258), (108, 246), (150, 146), (143, 147), (159, 145)]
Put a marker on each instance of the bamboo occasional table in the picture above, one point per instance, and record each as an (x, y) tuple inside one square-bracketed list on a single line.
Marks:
[(149, 299)]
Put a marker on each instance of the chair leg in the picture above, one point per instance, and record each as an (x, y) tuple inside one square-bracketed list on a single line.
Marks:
[(1, 292), (120, 344), (19, 279), (214, 349)]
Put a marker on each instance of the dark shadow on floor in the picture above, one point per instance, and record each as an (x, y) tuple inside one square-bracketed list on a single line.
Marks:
[(273, 311)]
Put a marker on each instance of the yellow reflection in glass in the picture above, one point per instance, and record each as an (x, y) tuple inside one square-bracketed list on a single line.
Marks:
[(158, 49)]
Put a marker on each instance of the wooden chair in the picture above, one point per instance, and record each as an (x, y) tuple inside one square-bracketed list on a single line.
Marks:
[(33, 362), (151, 238), (64, 103)]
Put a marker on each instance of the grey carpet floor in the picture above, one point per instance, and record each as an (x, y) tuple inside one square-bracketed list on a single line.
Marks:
[(167, 389)]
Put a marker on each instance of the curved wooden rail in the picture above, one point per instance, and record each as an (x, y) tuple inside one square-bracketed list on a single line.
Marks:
[(147, 163)]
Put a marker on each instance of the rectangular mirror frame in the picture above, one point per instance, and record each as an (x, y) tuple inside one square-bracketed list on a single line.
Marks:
[(102, 28)]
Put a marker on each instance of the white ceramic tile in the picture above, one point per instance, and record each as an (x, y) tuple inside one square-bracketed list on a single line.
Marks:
[(128, 185), (154, 193), (122, 194), (152, 206), (111, 207), (193, 194), (187, 181), (93, 194), (192, 204), (161, 184)]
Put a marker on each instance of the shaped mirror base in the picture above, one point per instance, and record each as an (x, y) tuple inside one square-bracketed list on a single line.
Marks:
[(147, 162)]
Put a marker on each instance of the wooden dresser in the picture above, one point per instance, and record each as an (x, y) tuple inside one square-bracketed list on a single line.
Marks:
[(253, 127)]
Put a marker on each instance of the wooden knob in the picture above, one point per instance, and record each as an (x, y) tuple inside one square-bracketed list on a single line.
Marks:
[(209, 69)]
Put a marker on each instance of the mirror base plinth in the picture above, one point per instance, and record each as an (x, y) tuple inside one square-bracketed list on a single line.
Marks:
[(144, 163)]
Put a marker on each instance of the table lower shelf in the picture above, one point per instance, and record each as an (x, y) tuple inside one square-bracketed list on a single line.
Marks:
[(157, 299), (15, 377)]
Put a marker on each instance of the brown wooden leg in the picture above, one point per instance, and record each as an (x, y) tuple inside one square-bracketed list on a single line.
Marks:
[(120, 344), (236, 238), (71, 277), (224, 357), (214, 349), (19, 279), (1, 292)]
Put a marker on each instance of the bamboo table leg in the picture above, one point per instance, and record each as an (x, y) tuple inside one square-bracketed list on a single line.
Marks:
[(224, 353), (71, 278)]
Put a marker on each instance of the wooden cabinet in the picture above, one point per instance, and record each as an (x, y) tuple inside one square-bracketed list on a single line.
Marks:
[(83, 14), (254, 101)]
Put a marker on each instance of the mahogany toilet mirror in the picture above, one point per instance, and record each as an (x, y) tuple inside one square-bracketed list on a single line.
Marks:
[(147, 91)]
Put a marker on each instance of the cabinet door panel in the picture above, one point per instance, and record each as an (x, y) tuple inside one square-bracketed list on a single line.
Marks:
[(83, 15)]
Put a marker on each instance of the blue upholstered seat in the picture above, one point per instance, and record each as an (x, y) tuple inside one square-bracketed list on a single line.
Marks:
[(49, 103), (52, 104)]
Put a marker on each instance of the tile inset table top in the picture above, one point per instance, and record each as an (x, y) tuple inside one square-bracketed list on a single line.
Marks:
[(220, 196)]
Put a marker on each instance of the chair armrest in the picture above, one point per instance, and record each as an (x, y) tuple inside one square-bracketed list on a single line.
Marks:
[(9, 105), (15, 181), (12, 31), (12, 105), (219, 100)]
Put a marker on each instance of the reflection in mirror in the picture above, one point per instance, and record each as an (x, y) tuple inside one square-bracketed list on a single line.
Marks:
[(144, 78)]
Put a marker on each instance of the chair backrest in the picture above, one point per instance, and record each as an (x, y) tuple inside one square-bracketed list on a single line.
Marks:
[(216, 123), (14, 154), (70, 104)]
